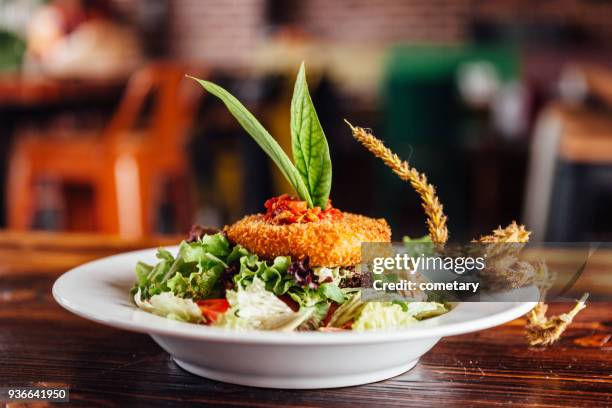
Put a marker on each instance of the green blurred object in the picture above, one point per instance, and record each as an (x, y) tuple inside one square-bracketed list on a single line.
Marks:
[(420, 91), (424, 121), (12, 50)]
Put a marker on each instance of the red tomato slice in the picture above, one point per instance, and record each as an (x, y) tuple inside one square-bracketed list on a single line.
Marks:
[(348, 325), (220, 305), (212, 308)]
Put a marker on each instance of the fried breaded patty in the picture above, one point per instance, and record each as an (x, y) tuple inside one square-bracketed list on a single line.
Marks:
[(326, 242)]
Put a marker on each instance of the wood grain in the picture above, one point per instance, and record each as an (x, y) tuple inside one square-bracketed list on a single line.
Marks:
[(40, 343), (52, 253)]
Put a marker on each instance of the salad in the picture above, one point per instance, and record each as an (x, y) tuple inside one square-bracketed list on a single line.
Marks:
[(295, 266), (211, 281)]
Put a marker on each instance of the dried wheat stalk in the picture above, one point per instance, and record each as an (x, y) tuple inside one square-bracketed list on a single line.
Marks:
[(436, 220), (543, 331), (540, 329)]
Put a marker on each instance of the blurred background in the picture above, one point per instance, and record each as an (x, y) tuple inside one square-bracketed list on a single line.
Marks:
[(506, 105)]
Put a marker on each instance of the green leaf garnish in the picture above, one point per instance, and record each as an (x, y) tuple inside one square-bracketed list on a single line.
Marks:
[(309, 145), (262, 137)]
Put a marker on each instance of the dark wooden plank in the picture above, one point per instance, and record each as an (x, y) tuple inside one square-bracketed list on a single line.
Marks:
[(41, 343), (54, 253)]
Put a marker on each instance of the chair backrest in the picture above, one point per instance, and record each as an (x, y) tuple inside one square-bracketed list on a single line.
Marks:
[(541, 172), (564, 136), (169, 100)]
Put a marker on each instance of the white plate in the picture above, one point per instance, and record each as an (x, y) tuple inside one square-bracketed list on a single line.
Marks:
[(99, 291)]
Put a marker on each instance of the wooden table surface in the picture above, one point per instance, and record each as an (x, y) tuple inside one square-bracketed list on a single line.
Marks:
[(42, 344), (23, 90)]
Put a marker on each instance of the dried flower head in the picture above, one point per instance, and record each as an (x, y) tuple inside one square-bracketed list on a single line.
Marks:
[(512, 233)]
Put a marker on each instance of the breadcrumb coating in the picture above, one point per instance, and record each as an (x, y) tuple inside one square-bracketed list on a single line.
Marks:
[(328, 243)]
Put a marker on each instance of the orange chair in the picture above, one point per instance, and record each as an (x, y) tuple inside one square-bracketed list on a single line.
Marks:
[(124, 165)]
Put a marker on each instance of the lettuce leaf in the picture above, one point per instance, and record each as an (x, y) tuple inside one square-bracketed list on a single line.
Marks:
[(170, 306), (331, 291), (198, 285), (273, 275), (279, 282), (194, 273), (426, 310), (416, 247), (215, 245), (382, 315)]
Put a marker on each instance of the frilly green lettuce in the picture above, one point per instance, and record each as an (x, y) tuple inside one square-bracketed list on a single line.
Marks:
[(276, 280), (274, 276), (194, 273)]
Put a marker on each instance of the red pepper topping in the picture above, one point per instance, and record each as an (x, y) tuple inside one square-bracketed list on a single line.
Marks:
[(286, 209)]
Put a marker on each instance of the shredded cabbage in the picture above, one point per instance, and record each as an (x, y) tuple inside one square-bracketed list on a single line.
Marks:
[(349, 309), (425, 310), (256, 308), (168, 305), (382, 315)]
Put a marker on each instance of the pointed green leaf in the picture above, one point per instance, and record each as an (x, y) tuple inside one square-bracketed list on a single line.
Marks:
[(261, 136), (308, 142)]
